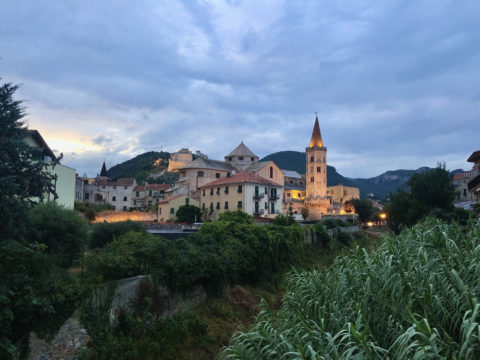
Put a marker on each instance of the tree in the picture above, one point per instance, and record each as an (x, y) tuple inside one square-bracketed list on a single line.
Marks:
[(188, 214), (23, 176), (29, 278), (364, 208), (237, 216), (431, 192), (305, 213)]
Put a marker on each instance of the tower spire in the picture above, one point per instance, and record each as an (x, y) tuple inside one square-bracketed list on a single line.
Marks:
[(103, 172), (316, 140)]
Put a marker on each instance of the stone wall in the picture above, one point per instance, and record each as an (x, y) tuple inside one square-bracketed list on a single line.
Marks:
[(116, 216)]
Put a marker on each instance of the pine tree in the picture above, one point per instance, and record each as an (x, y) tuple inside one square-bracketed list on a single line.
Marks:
[(24, 179)]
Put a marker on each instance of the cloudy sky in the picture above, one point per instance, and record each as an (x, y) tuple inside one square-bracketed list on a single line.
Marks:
[(396, 84)]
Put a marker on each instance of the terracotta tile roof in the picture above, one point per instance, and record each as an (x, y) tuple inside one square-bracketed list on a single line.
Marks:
[(159, 187), (116, 182), (171, 198), (240, 178), (462, 175)]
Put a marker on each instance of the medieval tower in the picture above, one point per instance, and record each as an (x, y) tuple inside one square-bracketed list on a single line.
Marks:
[(316, 200)]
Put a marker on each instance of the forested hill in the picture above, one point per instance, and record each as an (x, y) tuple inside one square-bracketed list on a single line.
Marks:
[(295, 160), (140, 165)]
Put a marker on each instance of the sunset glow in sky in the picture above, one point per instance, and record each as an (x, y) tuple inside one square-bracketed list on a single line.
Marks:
[(395, 83)]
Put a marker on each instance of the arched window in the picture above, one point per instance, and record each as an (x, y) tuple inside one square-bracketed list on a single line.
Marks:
[(271, 172), (312, 159)]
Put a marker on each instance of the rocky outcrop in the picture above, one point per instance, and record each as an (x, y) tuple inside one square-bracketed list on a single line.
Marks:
[(129, 291), (68, 342)]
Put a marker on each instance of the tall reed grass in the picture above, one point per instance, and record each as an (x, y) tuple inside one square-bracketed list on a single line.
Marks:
[(415, 297)]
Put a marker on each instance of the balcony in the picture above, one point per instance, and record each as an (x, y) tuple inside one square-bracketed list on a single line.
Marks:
[(273, 197), (258, 195), (257, 212)]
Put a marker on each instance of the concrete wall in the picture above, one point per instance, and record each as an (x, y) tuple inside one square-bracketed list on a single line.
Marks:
[(65, 185)]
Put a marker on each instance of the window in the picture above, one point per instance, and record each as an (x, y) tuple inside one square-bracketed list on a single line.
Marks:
[(125, 187), (149, 192), (312, 179), (464, 192), (125, 198), (239, 205), (211, 206), (187, 201), (114, 198), (103, 187), (288, 194), (124, 208), (299, 195), (229, 159), (218, 205), (266, 190), (200, 174), (312, 159), (217, 175), (256, 190), (226, 189), (272, 207), (226, 204), (218, 191), (319, 169), (211, 191), (87, 195), (229, 174), (240, 158), (271, 172), (203, 192), (203, 206), (137, 193), (252, 159), (172, 211), (266, 206), (239, 190), (150, 203), (114, 188), (256, 207)]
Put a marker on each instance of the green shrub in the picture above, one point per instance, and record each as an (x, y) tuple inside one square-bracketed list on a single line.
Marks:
[(321, 234), (236, 216), (104, 233), (63, 232), (283, 220), (188, 214)]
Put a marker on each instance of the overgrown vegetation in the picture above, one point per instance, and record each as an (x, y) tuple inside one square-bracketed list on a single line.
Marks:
[(414, 297), (104, 233)]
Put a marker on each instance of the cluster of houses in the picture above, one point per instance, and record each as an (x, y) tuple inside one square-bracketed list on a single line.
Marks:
[(239, 181)]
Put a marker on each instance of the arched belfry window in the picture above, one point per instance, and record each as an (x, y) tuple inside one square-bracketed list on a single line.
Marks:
[(271, 172), (312, 159)]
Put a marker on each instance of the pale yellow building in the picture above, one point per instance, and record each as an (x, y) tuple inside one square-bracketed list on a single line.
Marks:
[(244, 191), (167, 209), (179, 159), (65, 176), (341, 194)]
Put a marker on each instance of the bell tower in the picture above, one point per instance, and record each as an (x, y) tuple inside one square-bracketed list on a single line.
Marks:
[(316, 200)]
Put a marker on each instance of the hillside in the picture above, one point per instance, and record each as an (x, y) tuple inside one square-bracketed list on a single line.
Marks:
[(141, 166), (295, 160)]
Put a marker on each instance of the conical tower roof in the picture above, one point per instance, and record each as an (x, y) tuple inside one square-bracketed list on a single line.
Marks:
[(316, 140), (103, 172), (241, 150)]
